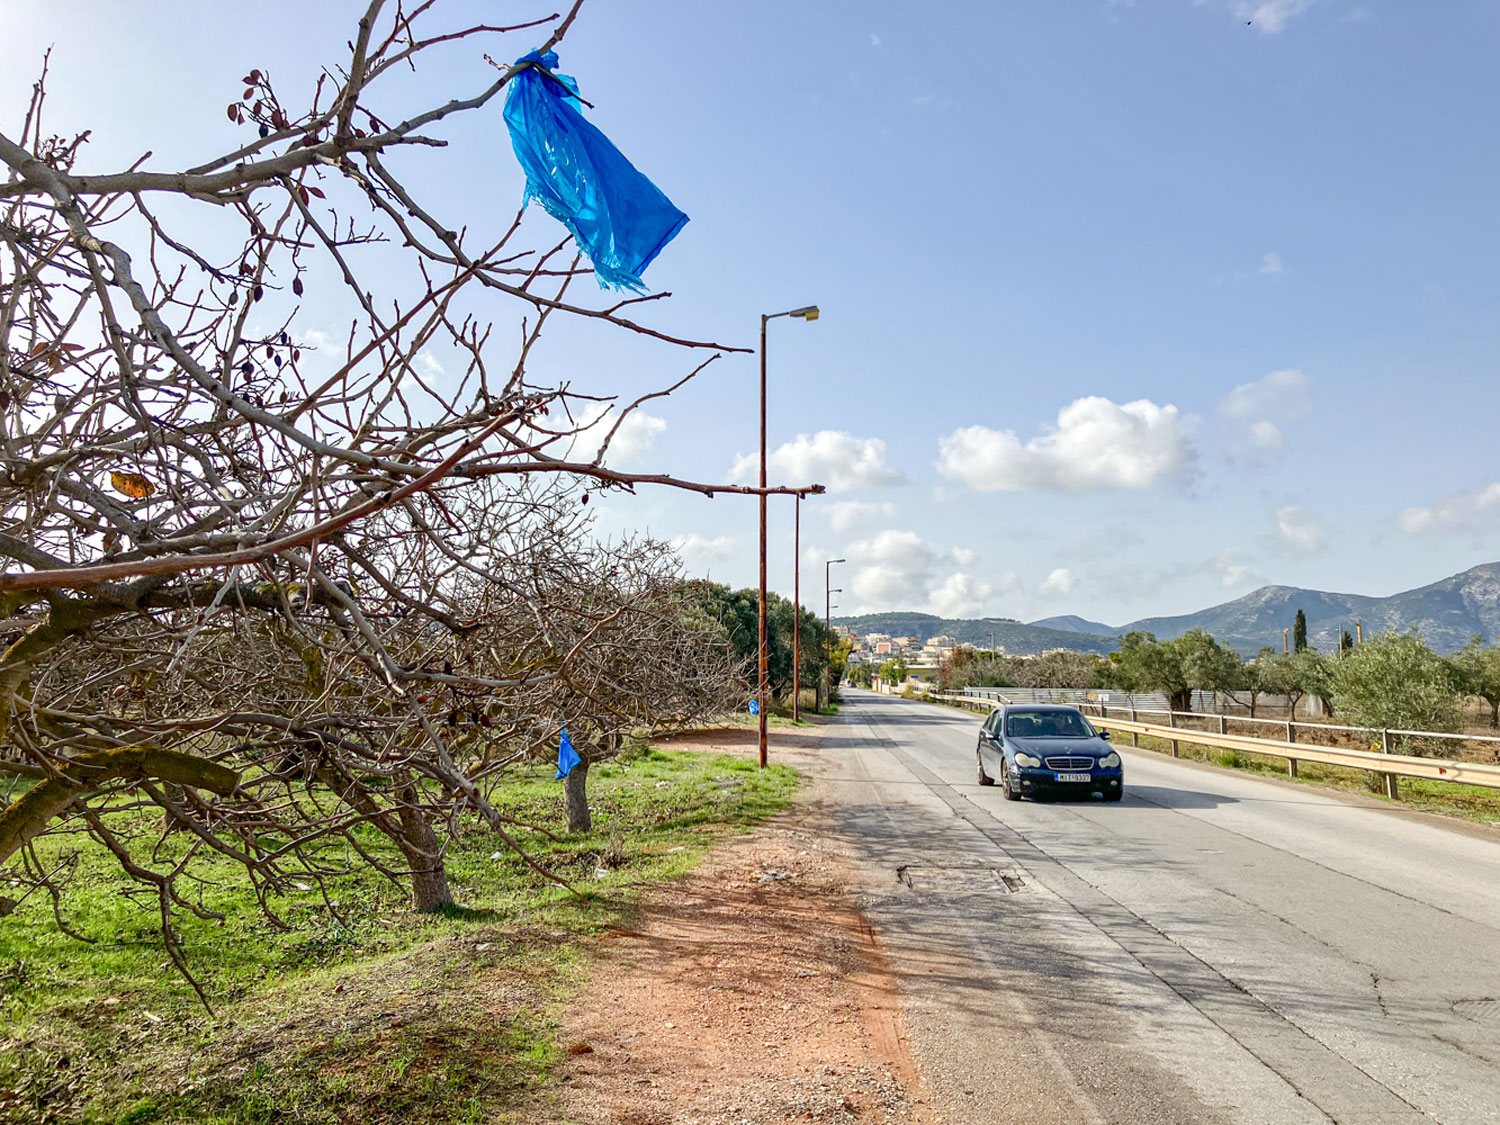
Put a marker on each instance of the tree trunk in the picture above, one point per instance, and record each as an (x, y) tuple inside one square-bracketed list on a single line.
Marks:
[(1495, 712), (424, 855), (576, 797)]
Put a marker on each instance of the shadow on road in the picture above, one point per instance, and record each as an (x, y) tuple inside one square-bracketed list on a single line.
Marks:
[(1176, 798)]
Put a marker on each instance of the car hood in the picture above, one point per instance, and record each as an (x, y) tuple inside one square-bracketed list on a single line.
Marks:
[(1051, 747)]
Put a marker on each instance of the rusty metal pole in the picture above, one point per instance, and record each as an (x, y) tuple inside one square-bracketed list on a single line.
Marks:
[(828, 593), (765, 668), (807, 313), (797, 613)]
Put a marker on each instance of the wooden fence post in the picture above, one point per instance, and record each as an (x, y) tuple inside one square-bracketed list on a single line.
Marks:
[(1172, 722), (1291, 763)]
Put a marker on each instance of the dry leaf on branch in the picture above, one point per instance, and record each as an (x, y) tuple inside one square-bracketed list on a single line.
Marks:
[(133, 485)]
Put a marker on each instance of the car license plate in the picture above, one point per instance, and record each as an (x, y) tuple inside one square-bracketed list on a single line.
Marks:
[(1072, 777)]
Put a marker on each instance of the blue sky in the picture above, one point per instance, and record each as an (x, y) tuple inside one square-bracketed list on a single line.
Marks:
[(1127, 307)]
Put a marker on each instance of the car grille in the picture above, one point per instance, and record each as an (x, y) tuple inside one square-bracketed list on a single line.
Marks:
[(1071, 763)]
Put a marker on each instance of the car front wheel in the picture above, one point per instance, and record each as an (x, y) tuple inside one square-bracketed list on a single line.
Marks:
[(1011, 793)]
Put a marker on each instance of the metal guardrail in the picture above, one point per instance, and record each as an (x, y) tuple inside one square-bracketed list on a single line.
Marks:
[(1388, 765)]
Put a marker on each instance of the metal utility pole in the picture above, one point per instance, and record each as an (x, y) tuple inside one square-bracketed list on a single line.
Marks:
[(797, 612), (827, 626), (809, 313)]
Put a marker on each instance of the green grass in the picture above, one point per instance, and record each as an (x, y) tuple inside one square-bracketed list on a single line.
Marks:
[(365, 1012)]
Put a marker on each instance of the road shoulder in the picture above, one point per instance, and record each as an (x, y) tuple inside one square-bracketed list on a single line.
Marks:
[(750, 990)]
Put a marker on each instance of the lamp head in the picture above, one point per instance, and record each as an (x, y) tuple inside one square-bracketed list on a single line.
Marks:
[(807, 312)]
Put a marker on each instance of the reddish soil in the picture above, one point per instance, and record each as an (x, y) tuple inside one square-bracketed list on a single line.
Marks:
[(752, 991)]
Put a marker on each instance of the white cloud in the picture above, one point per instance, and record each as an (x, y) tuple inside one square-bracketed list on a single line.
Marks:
[(717, 549), (1458, 512), (1231, 572), (1266, 435), (1096, 444), (1271, 16), (1261, 408), (632, 441), (833, 458), (1296, 531), (897, 570), (874, 40), (1270, 265), (844, 514), (1059, 582), (960, 595)]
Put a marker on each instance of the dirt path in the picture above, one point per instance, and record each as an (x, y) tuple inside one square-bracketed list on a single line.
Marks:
[(752, 991)]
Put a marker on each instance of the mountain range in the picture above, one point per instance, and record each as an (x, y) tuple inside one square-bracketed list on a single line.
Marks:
[(1447, 613)]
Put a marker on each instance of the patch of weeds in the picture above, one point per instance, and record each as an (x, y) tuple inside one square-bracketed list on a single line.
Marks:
[(366, 1011)]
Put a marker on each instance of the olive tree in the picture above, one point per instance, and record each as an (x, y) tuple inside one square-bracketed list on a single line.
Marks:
[(1477, 669), (1142, 663), (1295, 675), (1394, 681)]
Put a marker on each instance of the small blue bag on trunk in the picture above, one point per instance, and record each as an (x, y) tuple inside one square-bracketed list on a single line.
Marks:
[(619, 218)]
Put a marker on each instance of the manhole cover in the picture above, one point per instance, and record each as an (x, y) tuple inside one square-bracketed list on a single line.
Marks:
[(960, 878), (1486, 1009)]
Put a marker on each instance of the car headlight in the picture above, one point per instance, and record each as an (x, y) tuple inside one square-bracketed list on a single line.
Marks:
[(1109, 761), (1028, 761)]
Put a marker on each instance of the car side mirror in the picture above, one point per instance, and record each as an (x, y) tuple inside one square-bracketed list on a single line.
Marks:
[(1104, 734)]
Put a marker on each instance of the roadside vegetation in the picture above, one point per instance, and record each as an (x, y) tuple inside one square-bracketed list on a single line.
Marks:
[(1393, 682), (362, 1009), (1469, 802)]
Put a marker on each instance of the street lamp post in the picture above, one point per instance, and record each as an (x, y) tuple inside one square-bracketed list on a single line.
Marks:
[(808, 313), (827, 610)]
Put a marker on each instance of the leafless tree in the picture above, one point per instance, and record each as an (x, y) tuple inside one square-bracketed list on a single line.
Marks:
[(276, 592)]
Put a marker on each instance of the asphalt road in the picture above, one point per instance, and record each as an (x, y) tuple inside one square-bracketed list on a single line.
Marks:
[(1214, 948)]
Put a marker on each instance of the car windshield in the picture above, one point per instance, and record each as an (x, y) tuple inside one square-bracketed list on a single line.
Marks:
[(1047, 724)]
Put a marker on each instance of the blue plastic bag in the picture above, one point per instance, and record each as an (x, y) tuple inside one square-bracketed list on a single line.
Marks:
[(567, 757), (619, 218)]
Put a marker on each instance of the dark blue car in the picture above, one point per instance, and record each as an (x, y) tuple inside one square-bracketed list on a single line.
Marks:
[(1037, 749)]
